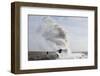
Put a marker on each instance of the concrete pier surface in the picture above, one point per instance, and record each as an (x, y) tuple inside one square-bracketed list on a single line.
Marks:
[(55, 55)]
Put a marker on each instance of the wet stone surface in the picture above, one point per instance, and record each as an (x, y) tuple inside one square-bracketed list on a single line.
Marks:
[(42, 56)]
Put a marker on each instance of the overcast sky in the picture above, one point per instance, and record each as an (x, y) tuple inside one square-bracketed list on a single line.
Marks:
[(76, 27)]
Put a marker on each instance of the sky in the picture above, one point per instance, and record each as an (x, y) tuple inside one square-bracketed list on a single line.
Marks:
[(76, 27)]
